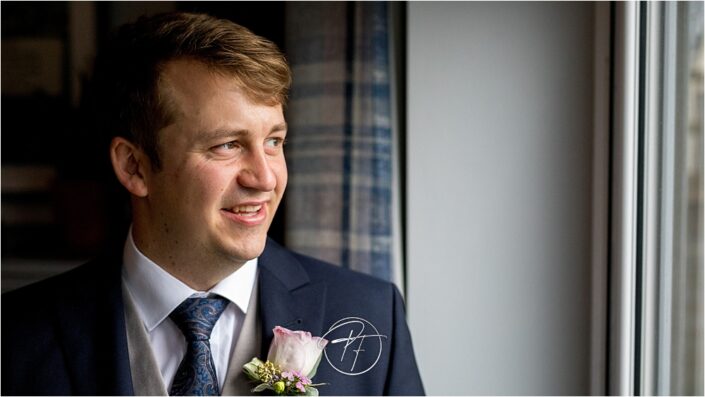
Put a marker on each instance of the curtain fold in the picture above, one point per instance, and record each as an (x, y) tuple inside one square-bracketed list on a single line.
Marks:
[(339, 200)]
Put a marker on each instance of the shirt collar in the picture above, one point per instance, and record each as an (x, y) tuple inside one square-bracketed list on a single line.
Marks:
[(156, 293)]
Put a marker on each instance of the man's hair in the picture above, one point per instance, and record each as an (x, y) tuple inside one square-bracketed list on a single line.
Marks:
[(128, 70)]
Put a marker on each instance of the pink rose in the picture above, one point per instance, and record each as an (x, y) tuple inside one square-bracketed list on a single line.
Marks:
[(296, 351)]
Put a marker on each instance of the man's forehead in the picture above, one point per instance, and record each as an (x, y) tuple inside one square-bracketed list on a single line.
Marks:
[(186, 77), (181, 75)]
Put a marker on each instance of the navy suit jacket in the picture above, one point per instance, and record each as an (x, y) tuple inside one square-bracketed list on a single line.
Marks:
[(66, 335)]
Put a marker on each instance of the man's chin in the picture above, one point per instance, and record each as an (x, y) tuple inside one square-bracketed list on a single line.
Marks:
[(246, 252)]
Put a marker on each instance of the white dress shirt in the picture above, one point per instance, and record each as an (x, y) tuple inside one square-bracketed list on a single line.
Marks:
[(156, 293)]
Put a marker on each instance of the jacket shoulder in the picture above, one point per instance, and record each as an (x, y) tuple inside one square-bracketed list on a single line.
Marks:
[(319, 270), (51, 332), (340, 281)]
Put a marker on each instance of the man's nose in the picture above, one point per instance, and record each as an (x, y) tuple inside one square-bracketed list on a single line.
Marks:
[(257, 172)]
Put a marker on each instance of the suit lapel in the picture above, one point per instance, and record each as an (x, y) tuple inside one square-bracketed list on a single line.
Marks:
[(288, 297)]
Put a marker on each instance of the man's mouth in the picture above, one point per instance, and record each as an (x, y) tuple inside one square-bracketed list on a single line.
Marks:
[(246, 210), (246, 214)]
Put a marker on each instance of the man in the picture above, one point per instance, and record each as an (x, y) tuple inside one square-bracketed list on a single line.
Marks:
[(195, 107)]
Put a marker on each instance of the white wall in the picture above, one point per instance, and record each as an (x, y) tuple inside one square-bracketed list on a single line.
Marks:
[(499, 160)]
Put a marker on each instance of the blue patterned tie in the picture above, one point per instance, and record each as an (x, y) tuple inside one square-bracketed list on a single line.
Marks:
[(196, 375)]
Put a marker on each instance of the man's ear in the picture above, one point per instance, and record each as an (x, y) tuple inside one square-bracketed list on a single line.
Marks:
[(129, 164)]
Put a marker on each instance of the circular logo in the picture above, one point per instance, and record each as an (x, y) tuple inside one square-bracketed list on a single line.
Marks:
[(354, 346)]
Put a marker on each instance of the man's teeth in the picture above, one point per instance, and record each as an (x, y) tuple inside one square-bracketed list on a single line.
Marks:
[(246, 209)]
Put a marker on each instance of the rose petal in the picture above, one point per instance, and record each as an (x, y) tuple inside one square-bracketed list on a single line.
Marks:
[(295, 350)]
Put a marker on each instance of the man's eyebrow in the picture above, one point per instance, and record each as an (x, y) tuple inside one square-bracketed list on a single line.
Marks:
[(227, 133), (279, 127), (220, 134)]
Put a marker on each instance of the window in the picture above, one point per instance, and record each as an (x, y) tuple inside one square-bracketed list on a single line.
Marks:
[(656, 263)]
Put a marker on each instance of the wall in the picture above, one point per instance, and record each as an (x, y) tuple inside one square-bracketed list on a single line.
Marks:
[(499, 159)]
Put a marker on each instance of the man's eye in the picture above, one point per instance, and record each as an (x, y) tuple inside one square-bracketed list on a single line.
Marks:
[(225, 147), (275, 142)]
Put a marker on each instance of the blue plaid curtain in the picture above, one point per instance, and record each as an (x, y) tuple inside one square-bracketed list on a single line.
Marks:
[(339, 200)]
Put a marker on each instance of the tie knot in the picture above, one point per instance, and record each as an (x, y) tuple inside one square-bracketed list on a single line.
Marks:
[(196, 317)]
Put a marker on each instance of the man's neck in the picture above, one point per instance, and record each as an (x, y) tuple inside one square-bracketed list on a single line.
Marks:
[(199, 273)]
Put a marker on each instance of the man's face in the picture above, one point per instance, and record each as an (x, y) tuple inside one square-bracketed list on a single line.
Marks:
[(223, 171)]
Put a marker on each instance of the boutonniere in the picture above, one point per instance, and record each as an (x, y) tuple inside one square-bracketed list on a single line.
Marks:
[(291, 363)]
